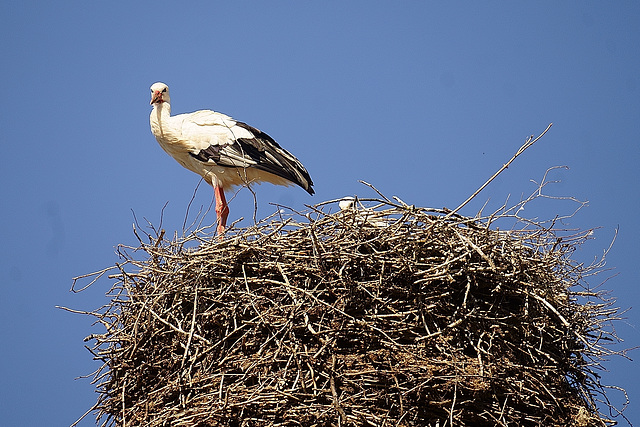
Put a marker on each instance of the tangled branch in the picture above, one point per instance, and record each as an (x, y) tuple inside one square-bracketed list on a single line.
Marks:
[(377, 314)]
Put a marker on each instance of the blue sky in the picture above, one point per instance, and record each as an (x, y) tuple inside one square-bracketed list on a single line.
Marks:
[(425, 100)]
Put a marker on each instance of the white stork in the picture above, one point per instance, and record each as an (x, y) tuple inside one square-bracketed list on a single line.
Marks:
[(226, 153)]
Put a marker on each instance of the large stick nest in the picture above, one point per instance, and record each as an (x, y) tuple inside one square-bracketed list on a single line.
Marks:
[(382, 314)]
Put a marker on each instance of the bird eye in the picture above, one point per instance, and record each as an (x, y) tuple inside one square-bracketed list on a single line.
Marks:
[(164, 90)]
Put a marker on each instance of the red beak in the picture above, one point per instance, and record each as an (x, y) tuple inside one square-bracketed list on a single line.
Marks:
[(156, 98)]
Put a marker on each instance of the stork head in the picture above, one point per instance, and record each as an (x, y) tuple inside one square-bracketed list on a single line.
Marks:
[(347, 203), (159, 93)]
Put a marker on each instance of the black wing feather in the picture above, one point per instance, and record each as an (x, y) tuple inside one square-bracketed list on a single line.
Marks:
[(210, 153), (265, 152)]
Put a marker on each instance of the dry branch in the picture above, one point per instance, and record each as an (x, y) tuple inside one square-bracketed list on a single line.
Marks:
[(384, 314)]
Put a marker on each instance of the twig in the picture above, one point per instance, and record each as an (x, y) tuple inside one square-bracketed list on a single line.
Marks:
[(528, 143), (334, 393)]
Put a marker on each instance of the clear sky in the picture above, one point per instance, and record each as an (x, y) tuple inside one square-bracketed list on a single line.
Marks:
[(425, 100)]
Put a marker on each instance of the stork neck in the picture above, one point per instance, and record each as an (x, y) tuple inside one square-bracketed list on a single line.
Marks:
[(160, 116), (163, 110)]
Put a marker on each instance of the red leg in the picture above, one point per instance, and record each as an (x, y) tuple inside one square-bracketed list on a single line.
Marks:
[(222, 210)]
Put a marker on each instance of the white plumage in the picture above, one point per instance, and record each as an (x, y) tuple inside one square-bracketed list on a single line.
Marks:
[(225, 152), (361, 214)]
